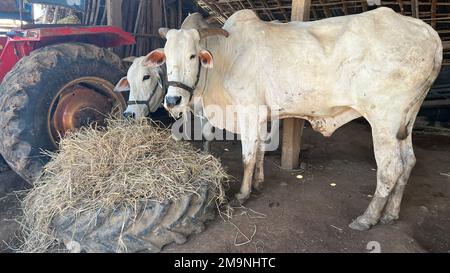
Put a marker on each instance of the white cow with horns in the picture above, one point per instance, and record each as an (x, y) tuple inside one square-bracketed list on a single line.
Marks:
[(146, 84), (378, 65)]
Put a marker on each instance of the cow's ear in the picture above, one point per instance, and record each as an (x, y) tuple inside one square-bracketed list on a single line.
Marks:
[(163, 32), (122, 86), (206, 58), (155, 58)]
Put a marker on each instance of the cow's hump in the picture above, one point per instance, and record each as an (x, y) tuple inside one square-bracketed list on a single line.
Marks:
[(194, 21), (241, 16)]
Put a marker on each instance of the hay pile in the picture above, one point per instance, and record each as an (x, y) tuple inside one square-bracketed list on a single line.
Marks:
[(129, 162)]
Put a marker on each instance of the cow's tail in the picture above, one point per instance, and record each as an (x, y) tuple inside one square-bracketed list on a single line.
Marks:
[(409, 114)]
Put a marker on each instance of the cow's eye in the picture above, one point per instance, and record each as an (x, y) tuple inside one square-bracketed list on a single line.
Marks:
[(146, 77), (192, 57)]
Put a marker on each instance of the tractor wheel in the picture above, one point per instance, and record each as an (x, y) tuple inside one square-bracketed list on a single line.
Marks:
[(3, 165), (55, 89), (146, 227)]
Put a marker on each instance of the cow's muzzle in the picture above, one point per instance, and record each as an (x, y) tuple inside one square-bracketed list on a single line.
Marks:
[(128, 115), (172, 101)]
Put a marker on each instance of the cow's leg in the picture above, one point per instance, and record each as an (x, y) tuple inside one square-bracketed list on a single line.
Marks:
[(250, 144), (390, 166), (392, 209), (207, 146), (259, 170), (208, 135), (274, 131), (249, 150), (264, 138)]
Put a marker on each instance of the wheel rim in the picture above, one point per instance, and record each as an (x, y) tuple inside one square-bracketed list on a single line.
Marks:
[(83, 102)]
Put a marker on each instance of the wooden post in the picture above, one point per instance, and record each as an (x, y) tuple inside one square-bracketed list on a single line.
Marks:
[(180, 13), (55, 15), (293, 128), (300, 10), (415, 8), (114, 10), (433, 13), (114, 18)]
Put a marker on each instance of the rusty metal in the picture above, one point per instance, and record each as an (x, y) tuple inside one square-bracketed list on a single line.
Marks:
[(83, 102), (21, 42)]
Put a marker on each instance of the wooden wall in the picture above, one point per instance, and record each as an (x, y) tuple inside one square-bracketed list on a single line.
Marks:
[(143, 18)]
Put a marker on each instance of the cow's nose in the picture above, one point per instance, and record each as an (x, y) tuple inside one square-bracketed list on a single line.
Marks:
[(128, 115), (173, 101)]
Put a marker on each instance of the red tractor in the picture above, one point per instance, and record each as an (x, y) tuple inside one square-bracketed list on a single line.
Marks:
[(54, 78)]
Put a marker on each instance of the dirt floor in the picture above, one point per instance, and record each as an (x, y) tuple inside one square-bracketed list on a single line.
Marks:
[(309, 209)]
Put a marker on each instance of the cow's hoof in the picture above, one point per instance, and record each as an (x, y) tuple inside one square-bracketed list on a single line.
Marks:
[(241, 198), (360, 224), (388, 218), (207, 148), (258, 186)]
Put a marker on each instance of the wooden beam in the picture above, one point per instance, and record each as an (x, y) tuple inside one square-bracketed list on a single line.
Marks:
[(55, 15), (300, 10), (114, 18), (326, 9), (269, 13), (415, 8), (433, 13), (180, 13), (92, 15), (402, 7), (114, 12), (436, 103), (292, 135), (216, 9), (293, 128), (344, 7), (364, 5), (446, 45), (283, 11)]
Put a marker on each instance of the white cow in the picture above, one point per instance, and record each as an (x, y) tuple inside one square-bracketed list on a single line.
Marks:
[(146, 86), (146, 83), (378, 65)]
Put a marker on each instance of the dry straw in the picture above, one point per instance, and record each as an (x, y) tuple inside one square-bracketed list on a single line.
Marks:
[(130, 162)]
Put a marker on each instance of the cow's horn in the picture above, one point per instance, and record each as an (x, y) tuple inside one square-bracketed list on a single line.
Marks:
[(163, 31), (129, 59), (205, 32)]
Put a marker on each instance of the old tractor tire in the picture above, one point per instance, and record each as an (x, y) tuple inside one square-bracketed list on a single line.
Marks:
[(39, 84), (148, 227), (3, 165)]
